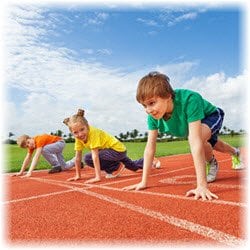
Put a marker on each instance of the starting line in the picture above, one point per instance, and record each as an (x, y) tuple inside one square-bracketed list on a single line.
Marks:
[(199, 229)]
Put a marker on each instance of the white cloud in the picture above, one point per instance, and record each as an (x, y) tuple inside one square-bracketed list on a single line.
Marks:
[(148, 22), (181, 18), (174, 16), (104, 52), (228, 93), (98, 18)]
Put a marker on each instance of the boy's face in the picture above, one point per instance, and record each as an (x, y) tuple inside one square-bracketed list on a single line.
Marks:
[(30, 143), (158, 107), (80, 131)]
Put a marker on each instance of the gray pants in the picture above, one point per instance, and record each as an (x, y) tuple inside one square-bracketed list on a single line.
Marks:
[(53, 154)]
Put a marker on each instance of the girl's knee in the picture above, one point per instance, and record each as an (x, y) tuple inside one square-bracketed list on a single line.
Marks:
[(88, 159)]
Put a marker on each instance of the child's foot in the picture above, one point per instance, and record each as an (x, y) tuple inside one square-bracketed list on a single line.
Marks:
[(53, 170), (156, 163), (117, 172), (237, 162), (212, 168)]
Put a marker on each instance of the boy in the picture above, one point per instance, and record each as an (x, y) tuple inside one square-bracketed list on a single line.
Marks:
[(181, 113), (49, 146)]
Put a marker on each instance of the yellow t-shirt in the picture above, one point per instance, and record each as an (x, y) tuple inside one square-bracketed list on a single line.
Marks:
[(99, 139)]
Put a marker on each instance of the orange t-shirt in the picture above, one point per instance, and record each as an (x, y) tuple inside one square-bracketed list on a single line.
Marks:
[(43, 140)]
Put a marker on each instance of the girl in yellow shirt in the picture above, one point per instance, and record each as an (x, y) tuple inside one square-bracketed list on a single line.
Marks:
[(107, 153)]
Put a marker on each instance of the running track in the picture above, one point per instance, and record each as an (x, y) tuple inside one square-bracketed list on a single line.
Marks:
[(46, 209)]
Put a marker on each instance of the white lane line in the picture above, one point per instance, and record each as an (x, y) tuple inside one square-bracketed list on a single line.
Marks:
[(204, 231), (36, 197), (178, 181), (165, 195), (140, 176), (157, 174), (174, 196), (171, 196)]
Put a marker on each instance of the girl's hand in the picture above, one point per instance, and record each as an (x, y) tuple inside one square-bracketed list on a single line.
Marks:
[(201, 192), (27, 175), (136, 187), (93, 180), (17, 174), (74, 178)]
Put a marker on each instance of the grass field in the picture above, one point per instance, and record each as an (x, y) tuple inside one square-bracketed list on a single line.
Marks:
[(14, 155)]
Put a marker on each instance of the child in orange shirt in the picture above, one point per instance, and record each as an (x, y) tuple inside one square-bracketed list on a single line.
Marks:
[(49, 146)]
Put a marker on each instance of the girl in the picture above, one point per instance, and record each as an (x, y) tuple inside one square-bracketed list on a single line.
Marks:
[(107, 153)]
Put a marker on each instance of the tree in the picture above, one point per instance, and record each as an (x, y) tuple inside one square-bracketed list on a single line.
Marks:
[(134, 134), (10, 134)]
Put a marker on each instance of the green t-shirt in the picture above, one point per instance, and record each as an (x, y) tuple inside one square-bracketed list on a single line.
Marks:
[(99, 139), (189, 106)]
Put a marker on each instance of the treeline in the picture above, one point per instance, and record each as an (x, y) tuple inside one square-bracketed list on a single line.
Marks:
[(132, 136)]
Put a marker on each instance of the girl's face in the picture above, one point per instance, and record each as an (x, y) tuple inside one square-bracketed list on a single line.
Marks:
[(80, 131), (158, 107), (30, 143)]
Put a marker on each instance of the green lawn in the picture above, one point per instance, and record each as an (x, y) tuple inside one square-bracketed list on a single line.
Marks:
[(14, 155)]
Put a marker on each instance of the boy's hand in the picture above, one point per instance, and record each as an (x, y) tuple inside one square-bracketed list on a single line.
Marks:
[(136, 187), (201, 192), (74, 178), (93, 180)]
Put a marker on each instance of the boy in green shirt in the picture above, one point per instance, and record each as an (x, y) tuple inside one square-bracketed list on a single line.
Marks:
[(182, 113)]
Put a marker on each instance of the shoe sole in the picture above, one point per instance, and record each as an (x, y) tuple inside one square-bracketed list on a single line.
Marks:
[(117, 175)]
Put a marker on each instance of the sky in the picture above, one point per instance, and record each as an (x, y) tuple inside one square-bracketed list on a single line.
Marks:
[(58, 57)]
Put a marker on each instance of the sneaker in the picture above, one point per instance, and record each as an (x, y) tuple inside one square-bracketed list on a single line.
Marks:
[(53, 170), (116, 173), (212, 168), (237, 162), (156, 163)]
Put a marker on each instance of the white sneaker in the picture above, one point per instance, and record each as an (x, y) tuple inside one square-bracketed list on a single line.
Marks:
[(116, 173), (212, 168), (156, 163)]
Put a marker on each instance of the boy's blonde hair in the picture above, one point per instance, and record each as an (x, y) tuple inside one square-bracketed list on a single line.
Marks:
[(78, 117), (22, 141), (154, 84)]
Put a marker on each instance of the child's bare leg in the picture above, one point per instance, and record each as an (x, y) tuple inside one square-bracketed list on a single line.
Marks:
[(224, 147)]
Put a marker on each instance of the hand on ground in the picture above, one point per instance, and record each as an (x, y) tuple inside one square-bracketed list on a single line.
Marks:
[(138, 186), (202, 193), (93, 180), (74, 178)]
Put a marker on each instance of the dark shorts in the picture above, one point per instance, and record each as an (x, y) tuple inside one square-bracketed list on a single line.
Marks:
[(214, 122)]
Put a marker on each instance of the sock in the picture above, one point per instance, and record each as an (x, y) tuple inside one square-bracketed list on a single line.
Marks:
[(237, 151)]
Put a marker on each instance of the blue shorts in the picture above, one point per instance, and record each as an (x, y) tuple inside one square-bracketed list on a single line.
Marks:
[(214, 122)]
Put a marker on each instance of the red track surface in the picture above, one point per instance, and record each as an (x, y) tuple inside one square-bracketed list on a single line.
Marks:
[(46, 209)]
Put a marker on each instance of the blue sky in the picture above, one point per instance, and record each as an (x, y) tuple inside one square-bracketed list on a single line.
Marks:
[(61, 57), (132, 38)]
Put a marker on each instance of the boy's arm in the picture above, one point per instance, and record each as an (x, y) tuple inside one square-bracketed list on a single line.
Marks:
[(26, 162), (78, 161), (149, 153), (34, 161), (96, 161), (198, 154)]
